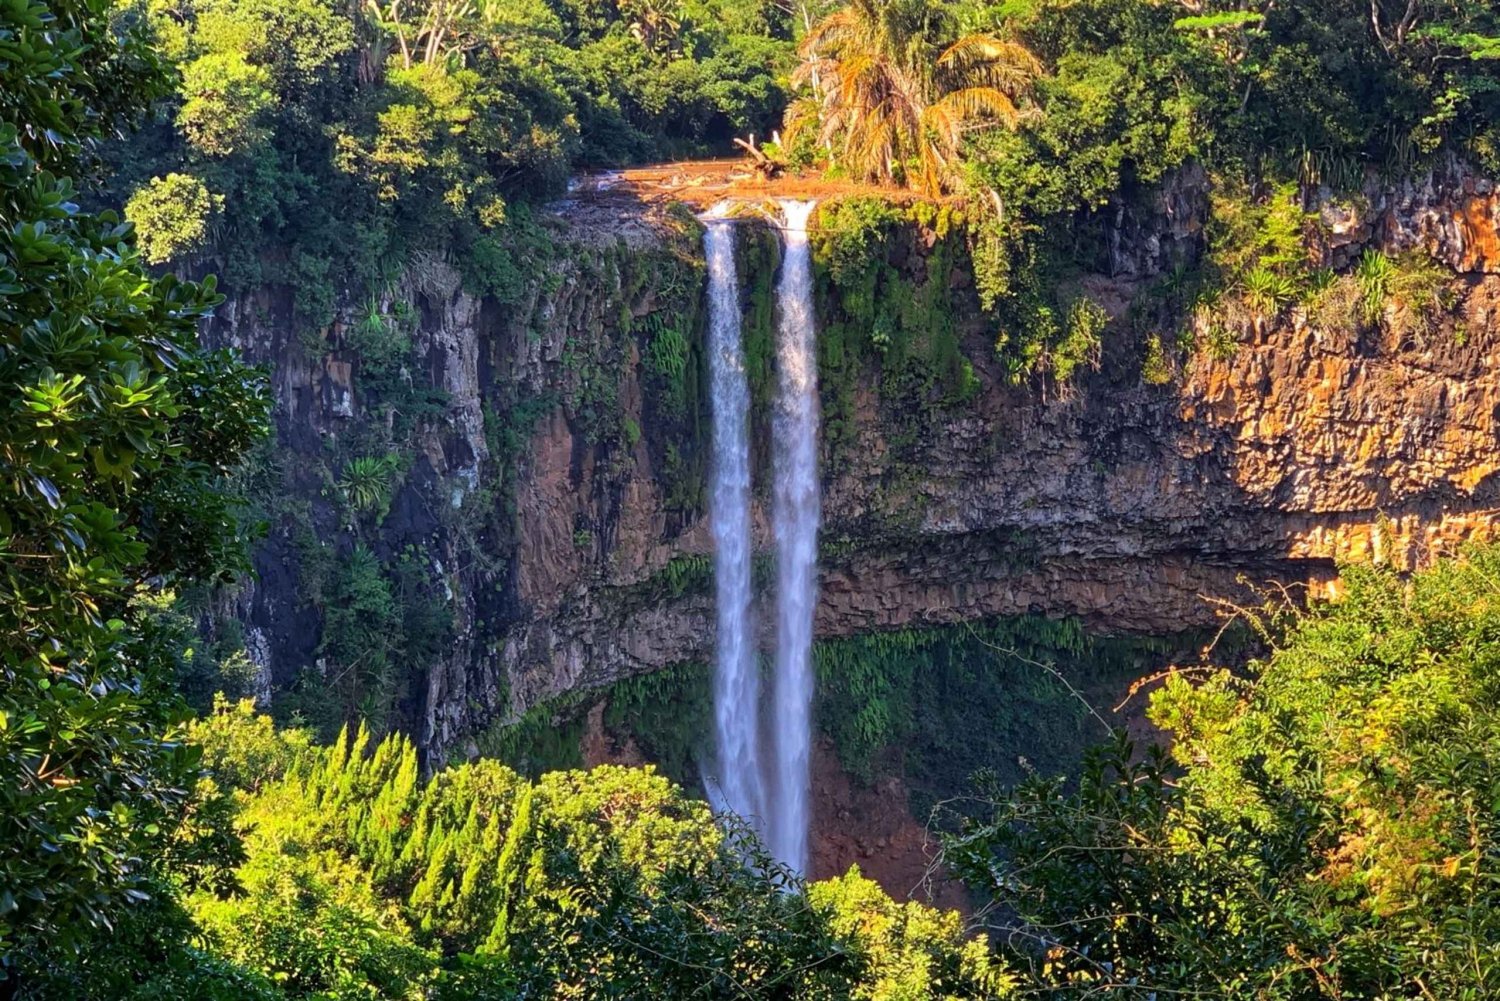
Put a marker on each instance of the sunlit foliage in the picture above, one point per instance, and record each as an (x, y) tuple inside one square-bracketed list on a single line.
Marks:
[(1327, 830), (894, 94), (364, 880), (116, 432)]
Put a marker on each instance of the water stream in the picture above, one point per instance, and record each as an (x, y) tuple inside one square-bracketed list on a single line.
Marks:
[(772, 791), (796, 510), (737, 786)]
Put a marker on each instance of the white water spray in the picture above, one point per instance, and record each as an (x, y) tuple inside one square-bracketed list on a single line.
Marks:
[(796, 512), (737, 787)]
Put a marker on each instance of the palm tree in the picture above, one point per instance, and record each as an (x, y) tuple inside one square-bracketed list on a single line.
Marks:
[(891, 104), (654, 23)]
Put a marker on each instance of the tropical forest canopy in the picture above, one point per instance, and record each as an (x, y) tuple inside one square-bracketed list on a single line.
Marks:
[(1322, 826), (322, 146)]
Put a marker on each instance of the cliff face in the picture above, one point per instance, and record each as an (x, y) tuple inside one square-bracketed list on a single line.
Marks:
[(555, 495)]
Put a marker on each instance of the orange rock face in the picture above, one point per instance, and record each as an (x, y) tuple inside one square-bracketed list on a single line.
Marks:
[(1480, 227), (1129, 506)]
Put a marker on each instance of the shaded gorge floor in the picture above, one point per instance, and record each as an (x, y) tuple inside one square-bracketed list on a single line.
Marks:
[(907, 724)]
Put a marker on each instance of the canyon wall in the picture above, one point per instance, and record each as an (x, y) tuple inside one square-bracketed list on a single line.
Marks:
[(551, 490)]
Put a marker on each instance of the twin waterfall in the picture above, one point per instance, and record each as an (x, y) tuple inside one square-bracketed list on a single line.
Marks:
[(770, 790)]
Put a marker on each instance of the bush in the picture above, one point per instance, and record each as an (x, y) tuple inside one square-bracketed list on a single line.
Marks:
[(364, 880), (171, 216), (1156, 368)]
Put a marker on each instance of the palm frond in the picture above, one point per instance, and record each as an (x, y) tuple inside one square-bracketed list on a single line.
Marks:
[(978, 50), (891, 108), (972, 103)]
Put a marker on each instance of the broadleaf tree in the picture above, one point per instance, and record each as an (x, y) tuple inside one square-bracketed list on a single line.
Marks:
[(116, 431)]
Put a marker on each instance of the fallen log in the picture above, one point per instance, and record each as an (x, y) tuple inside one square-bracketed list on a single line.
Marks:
[(759, 162)]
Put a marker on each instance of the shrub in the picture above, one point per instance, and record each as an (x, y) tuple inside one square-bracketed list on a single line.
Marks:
[(1336, 306), (171, 216), (1156, 368), (1081, 340)]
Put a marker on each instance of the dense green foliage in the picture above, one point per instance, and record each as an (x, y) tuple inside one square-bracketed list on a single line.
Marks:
[(1002, 699), (116, 432), (1329, 828), (893, 99), (1270, 97), (325, 145), (362, 880)]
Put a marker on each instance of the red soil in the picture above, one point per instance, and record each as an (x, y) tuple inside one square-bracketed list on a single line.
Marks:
[(638, 194)]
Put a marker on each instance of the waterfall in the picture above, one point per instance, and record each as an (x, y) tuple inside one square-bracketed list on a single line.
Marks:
[(774, 796), (795, 512), (737, 787)]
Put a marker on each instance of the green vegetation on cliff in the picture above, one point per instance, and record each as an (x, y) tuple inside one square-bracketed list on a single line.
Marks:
[(1061, 109)]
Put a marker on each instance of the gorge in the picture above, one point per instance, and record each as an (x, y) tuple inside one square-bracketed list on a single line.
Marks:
[(1120, 506), (1024, 526)]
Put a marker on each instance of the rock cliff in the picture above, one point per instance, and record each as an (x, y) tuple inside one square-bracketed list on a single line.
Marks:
[(553, 490)]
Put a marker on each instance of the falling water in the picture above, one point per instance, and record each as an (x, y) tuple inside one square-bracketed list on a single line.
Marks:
[(737, 787), (779, 806), (795, 513)]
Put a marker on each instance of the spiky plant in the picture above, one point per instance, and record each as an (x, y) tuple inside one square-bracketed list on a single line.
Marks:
[(368, 482), (1268, 291), (1375, 274)]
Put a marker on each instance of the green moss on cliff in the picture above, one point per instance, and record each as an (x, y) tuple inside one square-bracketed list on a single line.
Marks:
[(889, 310), (1005, 696), (668, 714), (547, 738), (758, 257), (934, 706)]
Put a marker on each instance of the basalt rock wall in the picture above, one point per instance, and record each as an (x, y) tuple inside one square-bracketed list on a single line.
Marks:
[(551, 488)]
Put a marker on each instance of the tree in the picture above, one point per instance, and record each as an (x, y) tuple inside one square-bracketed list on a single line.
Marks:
[(1326, 830), (116, 433), (171, 216), (363, 880), (892, 103)]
